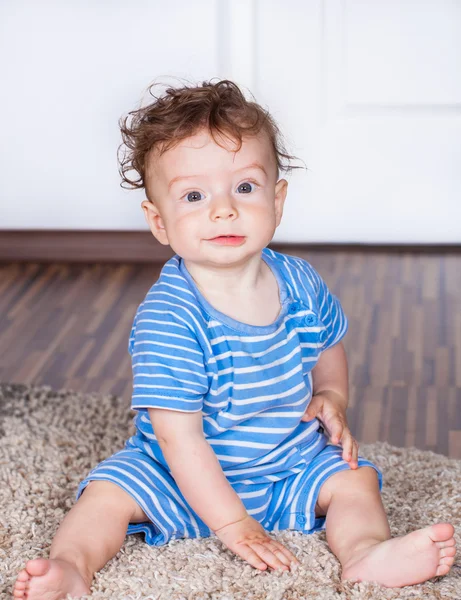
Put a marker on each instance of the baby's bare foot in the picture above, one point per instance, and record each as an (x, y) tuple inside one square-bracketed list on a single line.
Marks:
[(405, 560), (50, 579)]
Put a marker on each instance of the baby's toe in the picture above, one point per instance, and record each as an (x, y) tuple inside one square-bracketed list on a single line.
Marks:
[(38, 566), (20, 589), (447, 552), (23, 576), (21, 585), (441, 532), (442, 570), (447, 544), (446, 561)]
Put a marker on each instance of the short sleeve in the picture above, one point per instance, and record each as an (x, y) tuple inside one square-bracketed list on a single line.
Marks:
[(167, 363), (330, 311)]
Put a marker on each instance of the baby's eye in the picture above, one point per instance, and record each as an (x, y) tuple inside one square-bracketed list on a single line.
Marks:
[(245, 188), (246, 185), (192, 196)]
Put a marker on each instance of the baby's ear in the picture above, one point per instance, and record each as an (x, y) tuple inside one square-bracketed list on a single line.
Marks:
[(281, 188), (155, 222)]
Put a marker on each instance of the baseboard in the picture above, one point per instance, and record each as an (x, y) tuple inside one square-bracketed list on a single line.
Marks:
[(141, 246)]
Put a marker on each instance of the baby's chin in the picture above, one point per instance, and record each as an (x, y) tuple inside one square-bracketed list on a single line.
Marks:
[(223, 257)]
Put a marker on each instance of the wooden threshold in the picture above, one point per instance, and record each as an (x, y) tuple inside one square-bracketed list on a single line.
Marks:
[(141, 246)]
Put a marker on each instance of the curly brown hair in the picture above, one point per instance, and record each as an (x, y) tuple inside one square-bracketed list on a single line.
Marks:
[(181, 112)]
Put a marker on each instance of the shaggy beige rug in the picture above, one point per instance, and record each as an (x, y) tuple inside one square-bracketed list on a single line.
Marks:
[(49, 440)]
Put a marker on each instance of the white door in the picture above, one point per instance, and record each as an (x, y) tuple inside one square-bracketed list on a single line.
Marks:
[(369, 95)]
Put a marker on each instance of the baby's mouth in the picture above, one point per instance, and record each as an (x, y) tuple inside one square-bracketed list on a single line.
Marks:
[(228, 239), (226, 236)]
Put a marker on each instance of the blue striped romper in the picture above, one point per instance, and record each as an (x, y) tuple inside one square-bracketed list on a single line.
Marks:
[(252, 384)]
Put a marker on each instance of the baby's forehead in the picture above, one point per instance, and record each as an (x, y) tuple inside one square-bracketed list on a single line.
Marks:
[(187, 152), (206, 140)]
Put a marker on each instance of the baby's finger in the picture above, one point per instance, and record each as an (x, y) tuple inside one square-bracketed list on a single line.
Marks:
[(355, 449), (267, 555), (252, 557), (291, 557), (351, 455), (348, 445), (337, 433), (355, 453), (278, 552)]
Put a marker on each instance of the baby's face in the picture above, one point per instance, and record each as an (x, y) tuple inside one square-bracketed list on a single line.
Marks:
[(202, 191)]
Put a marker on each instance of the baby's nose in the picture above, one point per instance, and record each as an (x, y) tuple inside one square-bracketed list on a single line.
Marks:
[(223, 208)]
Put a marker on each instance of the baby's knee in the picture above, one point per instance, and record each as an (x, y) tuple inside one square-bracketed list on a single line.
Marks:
[(351, 481), (356, 480), (110, 494)]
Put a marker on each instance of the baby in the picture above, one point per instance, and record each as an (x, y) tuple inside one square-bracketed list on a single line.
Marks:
[(240, 378)]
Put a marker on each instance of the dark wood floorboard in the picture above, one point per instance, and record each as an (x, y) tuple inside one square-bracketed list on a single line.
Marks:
[(67, 326)]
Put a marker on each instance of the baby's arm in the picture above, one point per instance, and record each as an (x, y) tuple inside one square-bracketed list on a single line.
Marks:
[(195, 467), (330, 400), (330, 375), (196, 470)]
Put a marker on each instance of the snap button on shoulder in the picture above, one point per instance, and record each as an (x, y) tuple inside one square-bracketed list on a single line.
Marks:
[(301, 519), (294, 308)]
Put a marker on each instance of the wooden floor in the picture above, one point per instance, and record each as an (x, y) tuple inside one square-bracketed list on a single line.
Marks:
[(67, 326)]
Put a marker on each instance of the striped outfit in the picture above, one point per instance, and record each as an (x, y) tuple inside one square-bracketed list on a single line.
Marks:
[(252, 384)]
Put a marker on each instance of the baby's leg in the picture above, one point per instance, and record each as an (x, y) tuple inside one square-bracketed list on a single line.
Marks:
[(91, 533), (359, 535)]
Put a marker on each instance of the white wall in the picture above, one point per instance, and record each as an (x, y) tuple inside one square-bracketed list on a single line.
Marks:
[(368, 94)]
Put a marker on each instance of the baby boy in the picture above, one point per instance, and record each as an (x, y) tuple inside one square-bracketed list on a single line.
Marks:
[(240, 381)]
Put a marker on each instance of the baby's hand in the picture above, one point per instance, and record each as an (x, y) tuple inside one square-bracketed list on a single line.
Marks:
[(333, 416), (248, 539)]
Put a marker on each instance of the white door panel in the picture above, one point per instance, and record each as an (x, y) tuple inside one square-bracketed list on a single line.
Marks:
[(370, 92)]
